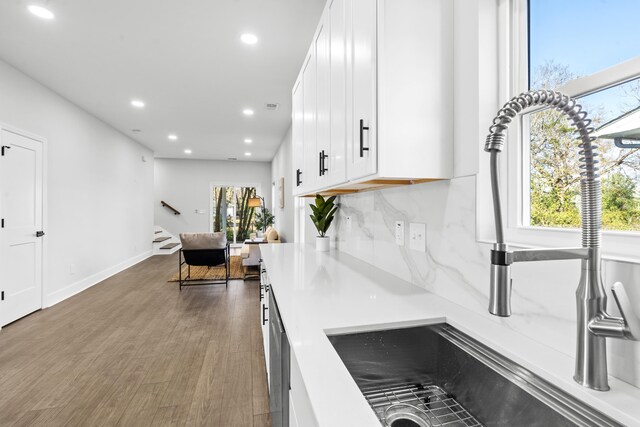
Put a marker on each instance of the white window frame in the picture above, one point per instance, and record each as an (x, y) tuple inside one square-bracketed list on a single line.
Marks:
[(616, 245)]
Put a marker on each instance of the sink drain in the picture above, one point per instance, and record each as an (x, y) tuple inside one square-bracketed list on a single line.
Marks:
[(405, 415)]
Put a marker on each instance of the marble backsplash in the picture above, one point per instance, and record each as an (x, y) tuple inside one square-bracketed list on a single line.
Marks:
[(456, 266)]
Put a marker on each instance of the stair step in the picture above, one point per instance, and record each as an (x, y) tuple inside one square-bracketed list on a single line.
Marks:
[(169, 246), (157, 231), (161, 239)]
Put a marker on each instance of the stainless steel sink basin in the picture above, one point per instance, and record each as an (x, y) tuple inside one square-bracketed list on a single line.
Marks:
[(437, 376)]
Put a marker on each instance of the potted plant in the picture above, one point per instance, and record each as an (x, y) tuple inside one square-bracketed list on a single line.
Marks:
[(264, 219), (323, 213)]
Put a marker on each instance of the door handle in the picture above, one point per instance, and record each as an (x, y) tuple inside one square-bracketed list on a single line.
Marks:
[(298, 180), (362, 129), (264, 312), (39, 233)]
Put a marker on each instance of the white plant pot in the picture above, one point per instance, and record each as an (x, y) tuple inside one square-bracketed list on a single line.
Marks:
[(322, 244)]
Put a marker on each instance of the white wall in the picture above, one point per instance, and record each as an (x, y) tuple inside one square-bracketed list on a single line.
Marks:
[(281, 166), (185, 185), (99, 191)]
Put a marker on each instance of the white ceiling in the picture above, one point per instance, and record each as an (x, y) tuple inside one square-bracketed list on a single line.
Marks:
[(184, 58)]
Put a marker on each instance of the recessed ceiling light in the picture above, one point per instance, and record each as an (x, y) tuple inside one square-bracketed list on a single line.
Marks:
[(249, 38), (41, 12), (187, 151), (247, 112), (137, 103), (136, 130), (172, 137), (248, 141), (247, 154)]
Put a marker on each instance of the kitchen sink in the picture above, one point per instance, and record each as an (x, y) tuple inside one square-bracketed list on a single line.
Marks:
[(437, 376)]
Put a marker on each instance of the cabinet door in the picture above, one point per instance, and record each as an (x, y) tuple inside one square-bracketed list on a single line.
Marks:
[(310, 171), (338, 70), (362, 149), (323, 103), (293, 418), (297, 136)]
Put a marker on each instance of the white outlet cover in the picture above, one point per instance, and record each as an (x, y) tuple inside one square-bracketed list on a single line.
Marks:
[(418, 237), (347, 224), (399, 230)]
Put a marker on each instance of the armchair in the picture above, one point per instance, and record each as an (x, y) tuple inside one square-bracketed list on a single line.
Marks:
[(203, 249)]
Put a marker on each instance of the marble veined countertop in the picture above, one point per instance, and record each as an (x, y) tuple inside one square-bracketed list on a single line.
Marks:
[(325, 293)]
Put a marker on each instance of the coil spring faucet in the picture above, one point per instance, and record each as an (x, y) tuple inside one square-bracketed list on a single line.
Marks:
[(594, 323)]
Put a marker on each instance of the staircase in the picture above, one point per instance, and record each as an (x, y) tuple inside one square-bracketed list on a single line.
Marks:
[(164, 243)]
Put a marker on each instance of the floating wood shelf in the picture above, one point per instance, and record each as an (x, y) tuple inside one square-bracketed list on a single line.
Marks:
[(161, 239), (373, 184)]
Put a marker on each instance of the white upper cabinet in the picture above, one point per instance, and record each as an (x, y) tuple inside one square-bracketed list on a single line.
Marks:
[(362, 147), (323, 101), (377, 97), (297, 134), (338, 86), (310, 155)]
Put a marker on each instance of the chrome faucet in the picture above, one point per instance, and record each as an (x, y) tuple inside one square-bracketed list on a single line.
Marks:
[(594, 323)]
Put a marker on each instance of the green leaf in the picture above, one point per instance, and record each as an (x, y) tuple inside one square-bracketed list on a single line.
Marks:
[(323, 213)]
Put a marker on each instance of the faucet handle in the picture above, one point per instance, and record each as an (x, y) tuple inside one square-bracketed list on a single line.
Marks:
[(631, 320)]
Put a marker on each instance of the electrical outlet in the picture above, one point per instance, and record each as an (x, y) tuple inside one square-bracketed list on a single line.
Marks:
[(72, 269), (400, 233), (418, 237)]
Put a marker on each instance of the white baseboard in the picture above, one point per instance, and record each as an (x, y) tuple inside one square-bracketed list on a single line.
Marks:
[(79, 286)]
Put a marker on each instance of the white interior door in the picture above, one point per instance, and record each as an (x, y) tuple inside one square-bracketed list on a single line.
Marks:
[(21, 199)]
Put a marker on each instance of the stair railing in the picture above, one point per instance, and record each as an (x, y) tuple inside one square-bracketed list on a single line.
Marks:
[(171, 208)]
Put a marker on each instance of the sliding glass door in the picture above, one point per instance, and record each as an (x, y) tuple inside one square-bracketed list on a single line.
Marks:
[(231, 212)]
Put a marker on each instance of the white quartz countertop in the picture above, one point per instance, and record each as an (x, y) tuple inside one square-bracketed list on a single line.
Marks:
[(324, 293)]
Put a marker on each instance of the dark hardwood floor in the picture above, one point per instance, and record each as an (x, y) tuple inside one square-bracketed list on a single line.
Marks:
[(135, 351)]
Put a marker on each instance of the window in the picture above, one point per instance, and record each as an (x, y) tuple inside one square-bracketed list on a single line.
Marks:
[(590, 50), (569, 43), (231, 212)]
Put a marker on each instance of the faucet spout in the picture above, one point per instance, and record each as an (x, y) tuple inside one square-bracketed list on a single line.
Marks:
[(594, 325), (500, 287)]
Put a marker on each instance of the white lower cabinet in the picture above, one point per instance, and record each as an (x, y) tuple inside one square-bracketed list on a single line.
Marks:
[(300, 408), (293, 419), (264, 315)]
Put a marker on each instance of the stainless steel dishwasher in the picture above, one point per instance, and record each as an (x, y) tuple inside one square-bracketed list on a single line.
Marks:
[(278, 367)]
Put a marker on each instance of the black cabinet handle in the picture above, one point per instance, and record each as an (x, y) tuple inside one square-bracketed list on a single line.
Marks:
[(261, 292), (362, 129), (320, 163), (264, 312), (39, 233), (323, 167), (298, 180)]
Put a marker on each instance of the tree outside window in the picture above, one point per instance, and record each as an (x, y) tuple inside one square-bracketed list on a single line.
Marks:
[(554, 167)]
